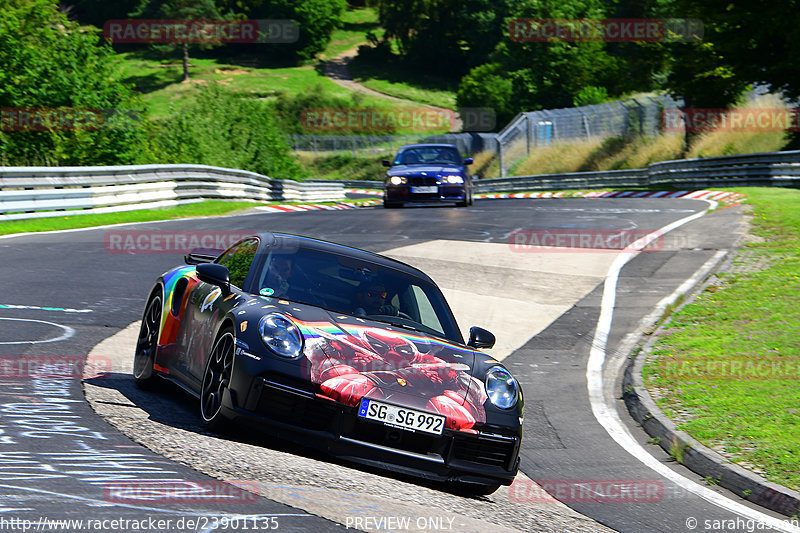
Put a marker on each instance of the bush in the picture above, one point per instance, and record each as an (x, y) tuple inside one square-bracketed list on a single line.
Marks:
[(590, 95), (290, 110), (223, 130), (486, 86), (49, 64)]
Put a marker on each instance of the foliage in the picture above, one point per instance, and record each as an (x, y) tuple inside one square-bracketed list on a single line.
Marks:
[(179, 10), (444, 36), (590, 95), (290, 110), (48, 62), (345, 166), (222, 130), (487, 86), (316, 20)]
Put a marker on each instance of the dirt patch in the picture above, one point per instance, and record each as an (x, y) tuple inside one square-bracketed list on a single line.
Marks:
[(230, 70)]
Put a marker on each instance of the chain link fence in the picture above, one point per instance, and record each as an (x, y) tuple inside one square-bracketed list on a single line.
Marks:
[(467, 143), (636, 117)]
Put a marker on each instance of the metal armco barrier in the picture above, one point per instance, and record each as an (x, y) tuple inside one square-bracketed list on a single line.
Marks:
[(778, 169), (36, 192)]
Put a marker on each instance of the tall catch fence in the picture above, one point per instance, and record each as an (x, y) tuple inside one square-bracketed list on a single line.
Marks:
[(528, 130)]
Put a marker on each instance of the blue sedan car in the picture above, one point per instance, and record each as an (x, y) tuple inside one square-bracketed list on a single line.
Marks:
[(427, 173)]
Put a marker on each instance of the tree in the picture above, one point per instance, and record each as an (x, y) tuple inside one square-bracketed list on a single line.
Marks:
[(52, 66), (189, 10), (316, 21), (444, 36)]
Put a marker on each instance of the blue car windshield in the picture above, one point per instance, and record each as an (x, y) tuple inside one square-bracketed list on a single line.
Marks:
[(428, 155), (353, 286)]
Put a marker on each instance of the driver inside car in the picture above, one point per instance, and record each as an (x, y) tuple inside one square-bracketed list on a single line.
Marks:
[(276, 282), (371, 300)]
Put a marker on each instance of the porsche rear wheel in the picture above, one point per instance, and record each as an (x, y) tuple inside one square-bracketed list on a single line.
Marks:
[(146, 345), (216, 379)]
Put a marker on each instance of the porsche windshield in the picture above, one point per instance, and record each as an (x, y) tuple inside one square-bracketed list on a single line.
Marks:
[(352, 286)]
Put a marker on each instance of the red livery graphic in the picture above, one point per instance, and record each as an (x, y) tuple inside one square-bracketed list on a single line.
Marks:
[(383, 365)]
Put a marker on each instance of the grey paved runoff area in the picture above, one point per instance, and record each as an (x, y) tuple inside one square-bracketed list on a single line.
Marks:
[(65, 293)]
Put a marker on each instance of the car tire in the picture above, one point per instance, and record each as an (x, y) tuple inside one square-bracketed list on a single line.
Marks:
[(389, 205), (216, 379), (147, 343)]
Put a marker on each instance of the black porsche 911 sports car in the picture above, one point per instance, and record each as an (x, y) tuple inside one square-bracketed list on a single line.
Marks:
[(427, 173), (338, 348)]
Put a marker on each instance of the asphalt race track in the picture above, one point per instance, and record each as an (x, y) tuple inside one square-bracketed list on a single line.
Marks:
[(64, 293)]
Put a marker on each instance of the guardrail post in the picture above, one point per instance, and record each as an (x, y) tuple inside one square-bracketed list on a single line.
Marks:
[(501, 159)]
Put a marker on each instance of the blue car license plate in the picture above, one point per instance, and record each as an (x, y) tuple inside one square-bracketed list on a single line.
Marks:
[(401, 417), (428, 189)]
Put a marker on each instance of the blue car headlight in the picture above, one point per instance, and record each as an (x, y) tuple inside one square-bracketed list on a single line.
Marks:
[(454, 178), (397, 180), (502, 388), (281, 335)]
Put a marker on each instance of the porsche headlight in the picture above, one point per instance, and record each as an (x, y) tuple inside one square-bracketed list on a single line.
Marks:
[(281, 335), (453, 179), (501, 387), (397, 180)]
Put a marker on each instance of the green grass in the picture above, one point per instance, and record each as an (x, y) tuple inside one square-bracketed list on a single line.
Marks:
[(748, 319), (163, 90), (200, 209), (395, 80), (356, 22), (344, 167)]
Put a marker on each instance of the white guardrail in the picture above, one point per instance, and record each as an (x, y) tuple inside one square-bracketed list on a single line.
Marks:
[(778, 169), (36, 192)]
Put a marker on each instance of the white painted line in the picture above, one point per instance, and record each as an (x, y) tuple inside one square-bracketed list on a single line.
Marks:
[(68, 331), (606, 413), (39, 308), (104, 503)]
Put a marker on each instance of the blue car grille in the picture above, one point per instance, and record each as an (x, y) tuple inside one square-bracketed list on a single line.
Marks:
[(417, 181)]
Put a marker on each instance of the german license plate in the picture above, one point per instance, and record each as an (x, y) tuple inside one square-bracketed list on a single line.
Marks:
[(401, 417), (431, 189)]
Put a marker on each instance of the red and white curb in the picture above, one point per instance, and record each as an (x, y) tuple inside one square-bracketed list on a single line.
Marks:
[(287, 208), (719, 196), (373, 192), (726, 197)]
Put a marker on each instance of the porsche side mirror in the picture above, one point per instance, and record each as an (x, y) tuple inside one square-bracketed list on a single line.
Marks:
[(480, 338), (215, 274)]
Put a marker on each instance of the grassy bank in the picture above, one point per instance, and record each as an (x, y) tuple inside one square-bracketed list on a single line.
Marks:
[(200, 209), (726, 367)]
